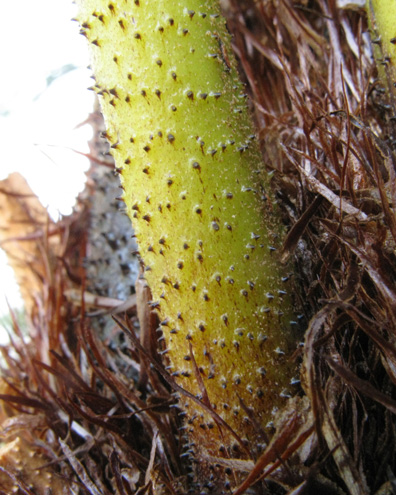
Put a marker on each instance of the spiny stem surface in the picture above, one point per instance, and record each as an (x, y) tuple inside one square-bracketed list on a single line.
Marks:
[(201, 206)]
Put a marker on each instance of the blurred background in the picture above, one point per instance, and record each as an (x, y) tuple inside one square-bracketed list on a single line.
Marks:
[(44, 103)]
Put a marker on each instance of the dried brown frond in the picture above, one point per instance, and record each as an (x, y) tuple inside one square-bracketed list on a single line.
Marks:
[(25, 232), (326, 126)]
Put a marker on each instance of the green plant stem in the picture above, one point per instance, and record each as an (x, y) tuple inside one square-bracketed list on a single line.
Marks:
[(201, 205)]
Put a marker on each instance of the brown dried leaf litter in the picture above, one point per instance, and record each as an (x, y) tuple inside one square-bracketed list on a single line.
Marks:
[(102, 418)]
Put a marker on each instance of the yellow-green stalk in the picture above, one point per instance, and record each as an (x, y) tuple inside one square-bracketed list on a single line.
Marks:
[(200, 203), (382, 20)]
